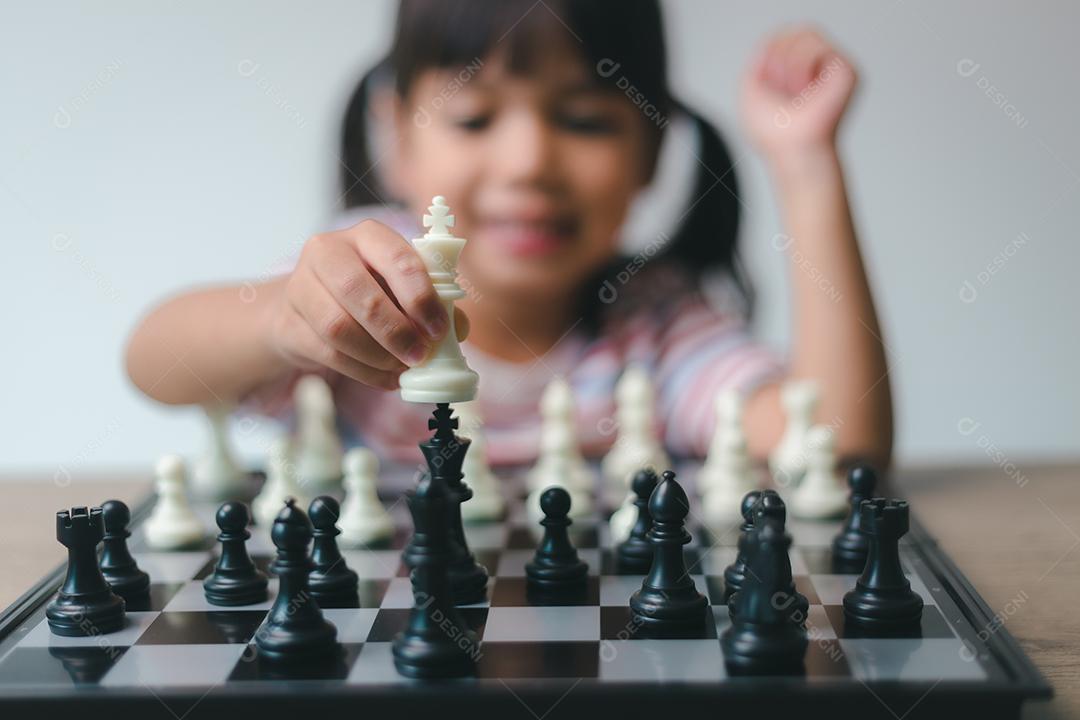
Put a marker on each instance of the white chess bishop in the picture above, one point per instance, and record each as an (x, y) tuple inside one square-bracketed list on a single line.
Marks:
[(172, 524), (363, 519), (820, 495), (636, 445), (281, 483), (318, 447), (559, 461), (728, 473), (487, 502), (787, 462), (444, 377), (217, 474)]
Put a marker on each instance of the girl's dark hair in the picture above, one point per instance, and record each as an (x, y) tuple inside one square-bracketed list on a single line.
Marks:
[(623, 40)]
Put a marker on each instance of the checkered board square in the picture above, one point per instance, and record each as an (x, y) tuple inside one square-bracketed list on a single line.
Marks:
[(180, 644)]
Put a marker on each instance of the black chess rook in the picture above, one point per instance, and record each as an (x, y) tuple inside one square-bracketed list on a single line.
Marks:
[(883, 599), (85, 604)]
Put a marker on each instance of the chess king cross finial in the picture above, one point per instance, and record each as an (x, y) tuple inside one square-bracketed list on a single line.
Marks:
[(439, 218)]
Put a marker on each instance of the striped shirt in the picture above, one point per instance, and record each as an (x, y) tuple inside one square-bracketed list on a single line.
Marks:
[(658, 319)]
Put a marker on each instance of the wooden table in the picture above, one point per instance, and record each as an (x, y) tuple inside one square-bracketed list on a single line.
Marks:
[(1017, 541)]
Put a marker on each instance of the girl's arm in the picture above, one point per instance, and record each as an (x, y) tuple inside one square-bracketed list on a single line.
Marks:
[(794, 98)]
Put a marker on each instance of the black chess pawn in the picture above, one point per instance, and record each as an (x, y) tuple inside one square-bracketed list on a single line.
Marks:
[(762, 639), (635, 554), (85, 604), (332, 582), (235, 580), (435, 643), (736, 571), (117, 565), (770, 508), (883, 599), (295, 629), (851, 546), (555, 568), (668, 601)]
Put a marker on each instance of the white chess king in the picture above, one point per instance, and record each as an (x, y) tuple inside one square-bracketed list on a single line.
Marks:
[(444, 377)]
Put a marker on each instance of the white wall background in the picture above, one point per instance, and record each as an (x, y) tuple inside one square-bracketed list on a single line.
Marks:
[(145, 147)]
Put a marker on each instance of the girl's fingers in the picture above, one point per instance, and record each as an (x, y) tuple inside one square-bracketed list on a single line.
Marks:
[(803, 59), (342, 271), (313, 349), (394, 260)]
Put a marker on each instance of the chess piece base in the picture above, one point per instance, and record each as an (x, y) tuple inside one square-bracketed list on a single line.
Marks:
[(97, 614)]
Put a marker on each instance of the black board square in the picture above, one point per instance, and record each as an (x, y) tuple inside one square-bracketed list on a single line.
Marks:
[(253, 666), (931, 625), (804, 586), (617, 623), (202, 627), (513, 592), (65, 666), (825, 658), (154, 601), (390, 621), (507, 660), (584, 536), (609, 566)]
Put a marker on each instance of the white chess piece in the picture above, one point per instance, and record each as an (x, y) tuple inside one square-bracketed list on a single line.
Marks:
[(820, 495), (559, 461), (363, 519), (318, 448), (487, 502), (280, 484), (217, 475), (622, 520), (727, 474), (787, 462), (172, 524), (636, 445), (444, 377)]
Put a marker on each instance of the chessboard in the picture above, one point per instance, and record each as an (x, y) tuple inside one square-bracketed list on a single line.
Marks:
[(180, 657)]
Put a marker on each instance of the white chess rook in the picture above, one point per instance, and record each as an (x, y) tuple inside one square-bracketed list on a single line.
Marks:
[(444, 377)]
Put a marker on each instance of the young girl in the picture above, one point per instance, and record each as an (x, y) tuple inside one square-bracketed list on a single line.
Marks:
[(541, 124)]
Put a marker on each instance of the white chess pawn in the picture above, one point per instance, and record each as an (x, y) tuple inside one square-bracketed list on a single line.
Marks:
[(622, 521), (363, 519), (487, 502), (636, 445), (820, 495), (217, 475), (559, 461), (172, 524), (318, 448), (728, 473), (280, 484), (444, 377), (787, 462)]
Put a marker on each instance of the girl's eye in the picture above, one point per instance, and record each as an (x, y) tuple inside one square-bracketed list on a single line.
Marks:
[(587, 123), (472, 123)]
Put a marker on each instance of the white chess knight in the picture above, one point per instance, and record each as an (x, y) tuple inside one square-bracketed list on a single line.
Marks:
[(363, 519), (217, 474), (820, 495), (172, 523), (487, 502), (444, 377), (559, 461), (728, 473), (318, 448), (281, 483), (787, 462), (636, 445)]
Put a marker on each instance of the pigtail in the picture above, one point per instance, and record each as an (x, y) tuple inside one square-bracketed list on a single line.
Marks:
[(355, 151)]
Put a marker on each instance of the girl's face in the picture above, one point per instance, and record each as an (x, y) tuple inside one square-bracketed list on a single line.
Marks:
[(539, 170)]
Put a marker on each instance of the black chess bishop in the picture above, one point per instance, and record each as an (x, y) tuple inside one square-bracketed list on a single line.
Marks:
[(668, 602), (85, 604), (635, 554), (295, 630), (235, 580)]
